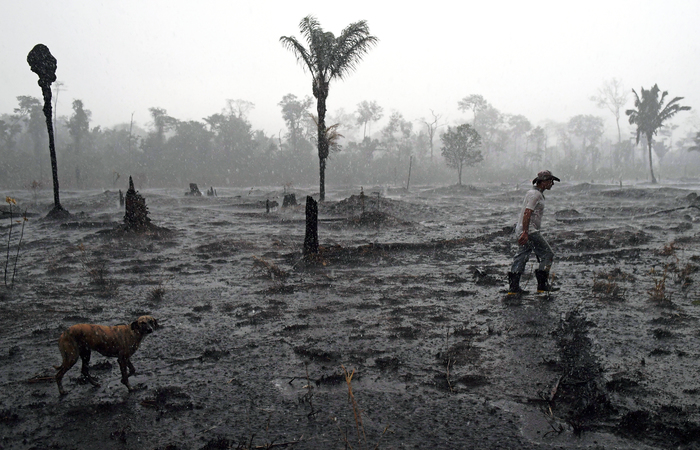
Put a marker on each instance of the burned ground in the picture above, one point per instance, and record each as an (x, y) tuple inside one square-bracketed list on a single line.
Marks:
[(256, 345)]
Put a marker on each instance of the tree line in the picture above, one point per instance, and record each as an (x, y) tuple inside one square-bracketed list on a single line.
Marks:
[(224, 149)]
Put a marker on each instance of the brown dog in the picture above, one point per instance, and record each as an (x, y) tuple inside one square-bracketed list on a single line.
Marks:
[(120, 341)]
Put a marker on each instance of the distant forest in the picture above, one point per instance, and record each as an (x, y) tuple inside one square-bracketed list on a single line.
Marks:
[(224, 149)]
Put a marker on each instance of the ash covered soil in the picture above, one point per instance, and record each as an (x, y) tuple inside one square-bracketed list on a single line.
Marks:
[(408, 297)]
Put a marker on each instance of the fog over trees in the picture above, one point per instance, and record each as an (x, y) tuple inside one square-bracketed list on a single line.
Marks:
[(373, 145)]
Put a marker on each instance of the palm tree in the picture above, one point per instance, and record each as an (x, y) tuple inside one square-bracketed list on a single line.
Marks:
[(650, 115), (327, 58)]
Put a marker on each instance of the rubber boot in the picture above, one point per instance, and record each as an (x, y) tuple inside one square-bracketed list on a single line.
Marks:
[(543, 281), (514, 282)]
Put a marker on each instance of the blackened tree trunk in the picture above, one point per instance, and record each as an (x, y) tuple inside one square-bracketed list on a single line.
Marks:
[(46, 90), (311, 238), (42, 62)]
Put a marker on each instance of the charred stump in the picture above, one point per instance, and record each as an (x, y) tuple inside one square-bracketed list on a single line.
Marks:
[(311, 238), (289, 200), (136, 217), (362, 199), (194, 190), (121, 198)]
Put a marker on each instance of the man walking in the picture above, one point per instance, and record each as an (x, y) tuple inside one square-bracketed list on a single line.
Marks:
[(529, 236)]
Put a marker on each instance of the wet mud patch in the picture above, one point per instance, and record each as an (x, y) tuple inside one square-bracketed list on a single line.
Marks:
[(169, 399), (317, 354), (405, 332), (387, 363), (296, 328), (622, 383), (384, 310), (375, 219), (579, 395), (8, 417), (442, 382), (608, 239), (279, 290), (221, 249), (461, 353), (356, 205), (257, 316), (671, 427)]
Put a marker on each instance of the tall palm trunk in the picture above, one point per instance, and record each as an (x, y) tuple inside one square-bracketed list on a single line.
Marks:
[(651, 167), (46, 92), (322, 138)]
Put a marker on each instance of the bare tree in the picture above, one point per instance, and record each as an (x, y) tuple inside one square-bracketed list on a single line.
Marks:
[(613, 96), (474, 103), (432, 127), (239, 108), (57, 88)]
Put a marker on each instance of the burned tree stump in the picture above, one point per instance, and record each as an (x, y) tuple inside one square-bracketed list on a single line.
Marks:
[(121, 198), (289, 200), (311, 238), (136, 217), (194, 190)]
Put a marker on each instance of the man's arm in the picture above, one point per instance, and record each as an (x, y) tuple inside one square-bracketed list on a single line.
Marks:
[(522, 240)]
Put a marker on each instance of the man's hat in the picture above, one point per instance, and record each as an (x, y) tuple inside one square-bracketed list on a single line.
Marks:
[(545, 175)]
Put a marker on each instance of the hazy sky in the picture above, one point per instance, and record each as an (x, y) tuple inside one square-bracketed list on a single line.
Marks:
[(541, 59)]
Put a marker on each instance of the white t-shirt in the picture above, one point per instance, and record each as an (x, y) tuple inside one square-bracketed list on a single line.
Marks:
[(534, 200)]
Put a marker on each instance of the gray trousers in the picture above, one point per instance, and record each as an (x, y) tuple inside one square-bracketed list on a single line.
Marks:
[(535, 243)]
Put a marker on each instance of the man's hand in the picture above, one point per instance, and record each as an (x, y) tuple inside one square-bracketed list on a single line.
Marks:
[(522, 240)]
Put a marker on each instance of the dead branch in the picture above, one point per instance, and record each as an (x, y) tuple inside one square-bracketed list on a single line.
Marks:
[(272, 270)]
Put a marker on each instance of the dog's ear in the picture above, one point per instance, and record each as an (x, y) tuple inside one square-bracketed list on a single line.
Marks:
[(134, 325)]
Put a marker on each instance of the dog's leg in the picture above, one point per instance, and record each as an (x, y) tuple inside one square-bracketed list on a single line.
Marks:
[(132, 370), (85, 370), (123, 364), (69, 353)]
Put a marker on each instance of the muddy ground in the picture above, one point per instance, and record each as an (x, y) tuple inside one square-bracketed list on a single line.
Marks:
[(407, 297)]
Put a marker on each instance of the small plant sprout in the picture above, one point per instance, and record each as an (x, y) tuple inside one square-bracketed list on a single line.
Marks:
[(355, 408), (668, 249), (94, 268), (607, 288), (19, 244), (35, 186), (157, 292), (658, 293), (10, 201)]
